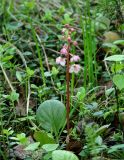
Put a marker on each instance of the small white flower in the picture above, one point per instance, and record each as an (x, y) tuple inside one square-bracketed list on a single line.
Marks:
[(75, 58), (75, 68), (61, 61)]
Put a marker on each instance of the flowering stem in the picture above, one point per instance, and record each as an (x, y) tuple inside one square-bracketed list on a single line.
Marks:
[(68, 90), (71, 67)]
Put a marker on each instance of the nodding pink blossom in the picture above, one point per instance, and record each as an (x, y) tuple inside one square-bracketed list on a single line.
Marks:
[(75, 58), (63, 51), (75, 43), (61, 61), (75, 68)]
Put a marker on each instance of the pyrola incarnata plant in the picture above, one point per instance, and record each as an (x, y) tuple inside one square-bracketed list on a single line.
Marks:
[(68, 59)]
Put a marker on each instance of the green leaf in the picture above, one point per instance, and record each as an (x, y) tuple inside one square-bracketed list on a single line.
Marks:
[(67, 19), (119, 81), (63, 155), (109, 91), (32, 146), (48, 15), (121, 117), (61, 10), (43, 138), (98, 140), (29, 5), (13, 26), (115, 58), (110, 45), (47, 156), (14, 96), (102, 23), (47, 74), (7, 58), (117, 67), (81, 93), (22, 138), (50, 147), (102, 129), (116, 148), (121, 42), (29, 72), (54, 71), (98, 114), (19, 76), (27, 53), (51, 115)]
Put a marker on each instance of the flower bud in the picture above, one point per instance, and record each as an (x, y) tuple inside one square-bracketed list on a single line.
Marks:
[(67, 25), (69, 39), (72, 29)]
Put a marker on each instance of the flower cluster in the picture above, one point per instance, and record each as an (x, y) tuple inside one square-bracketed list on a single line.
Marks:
[(67, 33)]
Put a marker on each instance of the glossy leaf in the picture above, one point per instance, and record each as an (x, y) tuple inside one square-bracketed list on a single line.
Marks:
[(32, 146), (115, 58), (63, 155), (119, 81), (50, 147), (51, 115)]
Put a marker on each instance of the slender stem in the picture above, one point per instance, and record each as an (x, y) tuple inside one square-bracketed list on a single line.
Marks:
[(72, 85), (68, 90)]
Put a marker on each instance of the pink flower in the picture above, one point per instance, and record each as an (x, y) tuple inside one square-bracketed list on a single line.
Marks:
[(63, 51), (61, 61), (75, 58), (74, 68), (75, 43)]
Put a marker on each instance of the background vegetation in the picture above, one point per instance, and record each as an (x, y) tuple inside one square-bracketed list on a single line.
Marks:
[(33, 88)]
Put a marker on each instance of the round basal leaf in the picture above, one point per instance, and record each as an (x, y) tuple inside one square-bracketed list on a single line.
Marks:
[(63, 155), (51, 115), (32, 146), (115, 58), (119, 81), (50, 147)]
